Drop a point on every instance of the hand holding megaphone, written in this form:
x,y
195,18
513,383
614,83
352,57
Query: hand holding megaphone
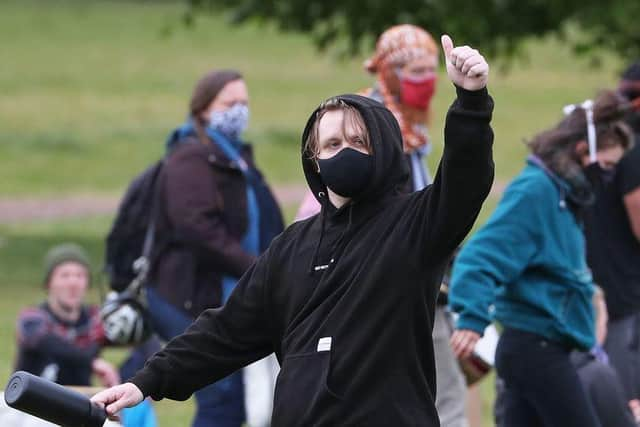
x,y
52,402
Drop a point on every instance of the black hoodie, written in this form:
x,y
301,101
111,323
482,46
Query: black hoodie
x,y
354,338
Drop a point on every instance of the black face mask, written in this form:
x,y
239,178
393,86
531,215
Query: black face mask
x,y
347,173
598,177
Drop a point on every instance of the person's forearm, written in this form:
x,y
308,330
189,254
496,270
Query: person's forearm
x,y
207,352
465,174
467,126
467,162
218,343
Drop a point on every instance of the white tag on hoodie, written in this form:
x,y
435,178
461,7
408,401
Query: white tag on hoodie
x,y
324,344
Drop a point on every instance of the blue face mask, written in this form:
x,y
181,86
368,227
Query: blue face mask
x,y
230,122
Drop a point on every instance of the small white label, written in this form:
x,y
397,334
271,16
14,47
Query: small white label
x,y
324,344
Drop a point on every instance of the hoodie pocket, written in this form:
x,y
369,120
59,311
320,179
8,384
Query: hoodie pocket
x,y
302,389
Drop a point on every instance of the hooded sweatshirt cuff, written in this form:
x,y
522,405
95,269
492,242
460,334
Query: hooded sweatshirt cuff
x,y
472,324
475,100
147,382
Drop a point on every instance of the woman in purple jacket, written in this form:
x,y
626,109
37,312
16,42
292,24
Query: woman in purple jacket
x,y
214,215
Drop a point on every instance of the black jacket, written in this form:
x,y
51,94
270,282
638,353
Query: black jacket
x,y
200,221
375,302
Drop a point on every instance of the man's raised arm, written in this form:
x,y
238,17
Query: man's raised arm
x,y
450,206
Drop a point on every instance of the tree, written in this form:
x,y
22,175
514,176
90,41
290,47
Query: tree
x,y
498,26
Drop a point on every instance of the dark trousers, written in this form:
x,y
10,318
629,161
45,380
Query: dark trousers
x,y
542,388
623,347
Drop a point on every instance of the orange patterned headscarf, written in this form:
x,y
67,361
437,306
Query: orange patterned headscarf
x,y
396,47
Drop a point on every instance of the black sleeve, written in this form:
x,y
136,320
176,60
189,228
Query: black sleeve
x,y
628,171
448,208
217,344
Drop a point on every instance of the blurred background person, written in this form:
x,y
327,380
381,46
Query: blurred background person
x,y
629,87
405,64
215,215
612,227
61,339
600,381
451,398
526,267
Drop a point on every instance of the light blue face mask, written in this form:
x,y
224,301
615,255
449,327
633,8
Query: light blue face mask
x,y
230,122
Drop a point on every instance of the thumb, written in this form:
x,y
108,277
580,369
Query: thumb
x,y
447,45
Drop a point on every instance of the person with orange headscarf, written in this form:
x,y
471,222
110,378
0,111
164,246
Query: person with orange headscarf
x,y
405,64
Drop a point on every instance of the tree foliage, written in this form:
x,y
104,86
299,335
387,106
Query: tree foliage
x,y
498,26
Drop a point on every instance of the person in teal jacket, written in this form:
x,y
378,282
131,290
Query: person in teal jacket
x,y
526,269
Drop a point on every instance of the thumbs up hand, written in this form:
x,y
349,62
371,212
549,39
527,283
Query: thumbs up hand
x,y
465,66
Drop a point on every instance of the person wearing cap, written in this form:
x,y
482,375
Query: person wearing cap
x,y
612,227
346,298
214,215
526,268
61,338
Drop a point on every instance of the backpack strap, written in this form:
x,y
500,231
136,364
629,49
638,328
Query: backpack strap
x,y
142,265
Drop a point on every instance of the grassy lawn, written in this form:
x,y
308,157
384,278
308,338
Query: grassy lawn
x,y
90,90
93,88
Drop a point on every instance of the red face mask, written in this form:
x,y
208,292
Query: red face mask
x,y
417,93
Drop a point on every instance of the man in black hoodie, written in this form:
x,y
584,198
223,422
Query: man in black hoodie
x,y
346,298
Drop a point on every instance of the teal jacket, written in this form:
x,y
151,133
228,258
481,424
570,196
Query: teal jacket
x,y
526,267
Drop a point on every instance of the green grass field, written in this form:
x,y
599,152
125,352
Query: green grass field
x,y
89,90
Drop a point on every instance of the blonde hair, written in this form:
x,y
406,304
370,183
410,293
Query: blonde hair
x,y
352,118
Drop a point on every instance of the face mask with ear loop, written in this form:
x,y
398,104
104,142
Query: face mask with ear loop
x,y
587,106
597,176
347,173
582,187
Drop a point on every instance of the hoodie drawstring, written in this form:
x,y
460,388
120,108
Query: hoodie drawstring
x,y
323,217
334,249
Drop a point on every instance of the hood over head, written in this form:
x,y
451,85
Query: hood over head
x,y
390,169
